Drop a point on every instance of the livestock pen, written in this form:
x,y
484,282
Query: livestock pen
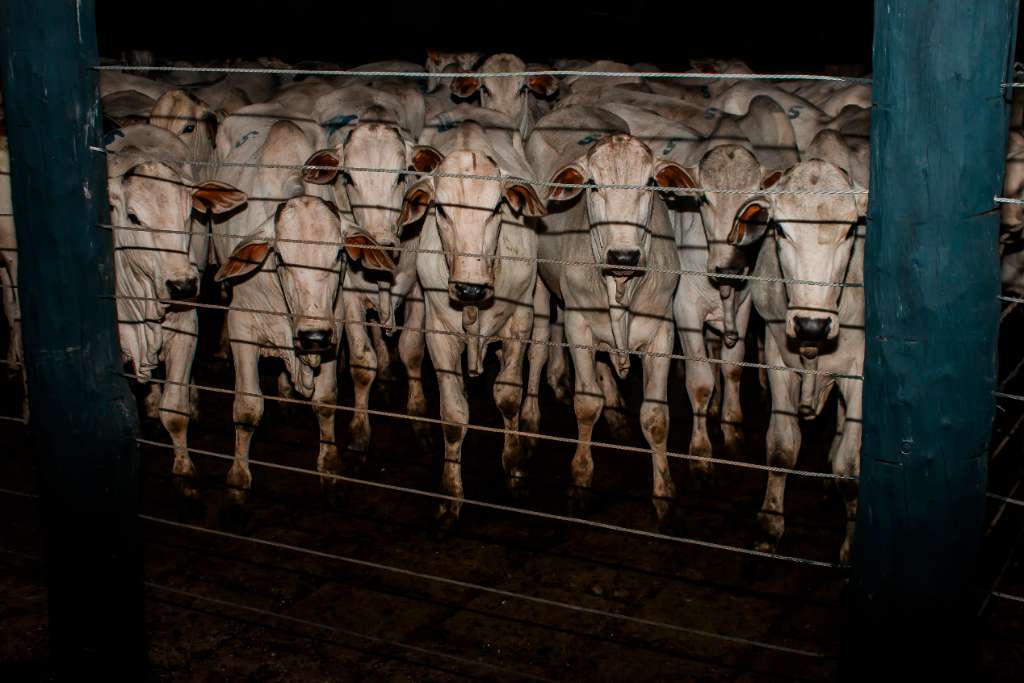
x,y
343,574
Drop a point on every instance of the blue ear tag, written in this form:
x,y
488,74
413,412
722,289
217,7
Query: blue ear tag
x,y
241,141
794,111
670,145
711,112
338,122
445,123
593,137
109,138
706,92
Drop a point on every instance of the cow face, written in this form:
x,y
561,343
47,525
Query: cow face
x,y
159,202
188,118
619,218
727,228
508,95
306,246
449,62
814,239
375,198
469,213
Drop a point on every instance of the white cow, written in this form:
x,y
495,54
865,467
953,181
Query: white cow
x,y
816,331
515,96
483,286
156,267
609,304
449,62
284,258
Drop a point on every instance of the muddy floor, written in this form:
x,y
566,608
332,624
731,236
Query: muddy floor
x,y
243,610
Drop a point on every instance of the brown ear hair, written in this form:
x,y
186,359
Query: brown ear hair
x,y
321,176
417,201
247,257
770,178
573,174
670,174
544,85
361,247
465,86
523,198
750,223
217,197
426,158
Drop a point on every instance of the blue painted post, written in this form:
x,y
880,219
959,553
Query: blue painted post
x,y
938,140
83,415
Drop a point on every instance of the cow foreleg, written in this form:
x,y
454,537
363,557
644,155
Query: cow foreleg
x,y
362,363
446,355
846,457
700,386
783,446
325,397
587,401
538,357
508,392
151,404
411,345
732,411
654,417
383,353
558,369
614,413
179,346
248,411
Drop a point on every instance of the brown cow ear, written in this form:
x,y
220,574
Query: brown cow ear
x,y
217,197
770,178
543,85
523,198
417,201
750,224
426,158
322,158
670,174
573,174
246,258
360,246
465,86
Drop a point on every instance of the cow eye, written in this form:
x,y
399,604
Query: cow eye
x,y
134,219
852,232
522,90
440,211
485,90
399,178
189,127
780,232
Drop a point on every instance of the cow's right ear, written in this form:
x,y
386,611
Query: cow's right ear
x,y
426,158
750,223
465,86
217,197
324,159
573,174
247,257
417,201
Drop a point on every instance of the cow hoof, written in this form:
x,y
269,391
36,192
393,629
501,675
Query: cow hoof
x,y
517,486
671,521
446,523
185,486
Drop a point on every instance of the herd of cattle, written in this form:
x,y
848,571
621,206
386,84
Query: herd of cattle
x,y
583,217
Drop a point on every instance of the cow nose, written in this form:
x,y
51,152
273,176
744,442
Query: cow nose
x,y
183,289
623,257
812,329
470,293
728,270
313,340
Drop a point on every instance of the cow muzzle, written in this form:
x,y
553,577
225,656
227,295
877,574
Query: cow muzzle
x,y
470,292
183,289
314,341
811,332
622,262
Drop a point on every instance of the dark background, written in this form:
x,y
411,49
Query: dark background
x,y
770,36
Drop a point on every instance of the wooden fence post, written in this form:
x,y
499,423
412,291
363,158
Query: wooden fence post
x,y
83,413
938,141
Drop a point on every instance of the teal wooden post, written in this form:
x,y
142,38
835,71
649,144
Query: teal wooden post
x,y
938,140
83,414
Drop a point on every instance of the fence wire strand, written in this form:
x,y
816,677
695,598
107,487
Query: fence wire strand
x,y
579,521
456,583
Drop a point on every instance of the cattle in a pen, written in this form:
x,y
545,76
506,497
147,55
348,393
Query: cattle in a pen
x,y
477,268
521,98
160,252
282,256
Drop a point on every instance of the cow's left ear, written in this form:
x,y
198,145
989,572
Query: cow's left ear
x,y
327,161
750,223
426,158
217,197
523,198
670,174
417,201
543,85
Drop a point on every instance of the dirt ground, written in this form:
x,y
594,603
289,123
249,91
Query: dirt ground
x,y
386,626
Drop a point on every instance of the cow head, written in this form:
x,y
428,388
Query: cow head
x,y
509,95
446,62
159,201
814,236
469,213
304,238
188,118
1012,215
619,218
